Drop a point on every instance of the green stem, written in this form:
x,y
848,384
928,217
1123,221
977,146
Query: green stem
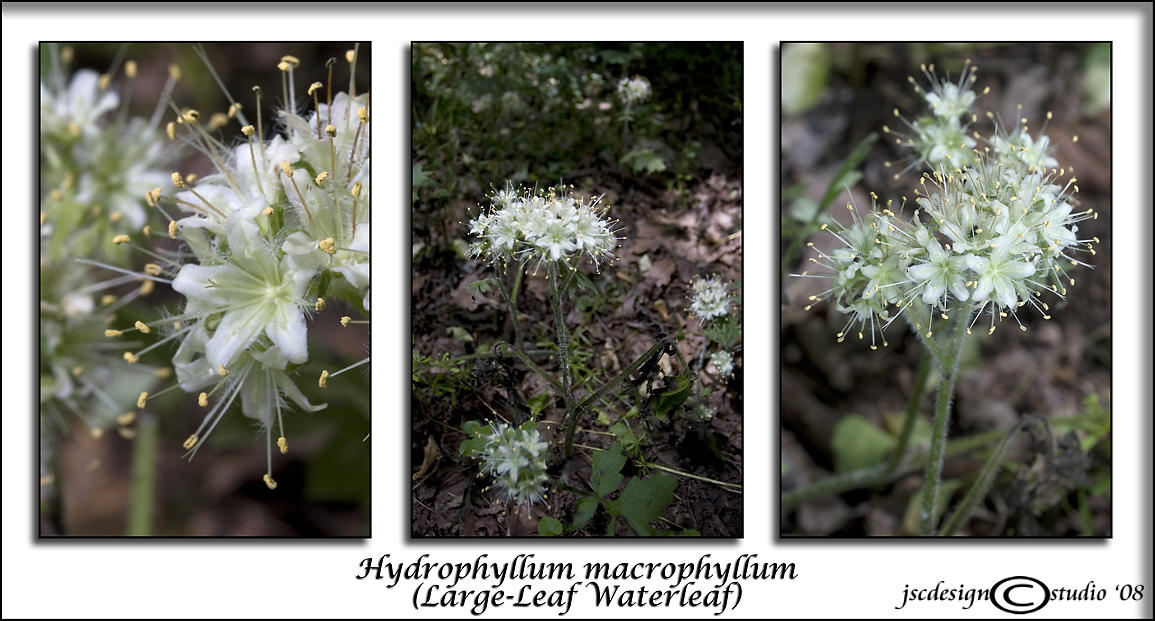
x,y
949,373
556,289
874,476
912,408
659,347
143,500
919,320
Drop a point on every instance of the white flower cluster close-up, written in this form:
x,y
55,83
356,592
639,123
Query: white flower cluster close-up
x,y
992,229
547,226
279,216
516,458
709,298
634,90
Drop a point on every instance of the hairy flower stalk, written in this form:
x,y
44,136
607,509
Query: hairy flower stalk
x,y
992,232
554,228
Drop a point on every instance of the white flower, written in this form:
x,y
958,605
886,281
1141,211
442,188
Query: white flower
x,y
516,457
257,293
634,90
723,363
942,272
1001,275
710,299
78,108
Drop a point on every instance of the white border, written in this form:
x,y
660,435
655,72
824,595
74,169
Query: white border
x,y
836,579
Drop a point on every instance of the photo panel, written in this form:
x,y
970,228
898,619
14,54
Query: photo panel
x,y
945,303
576,309
204,289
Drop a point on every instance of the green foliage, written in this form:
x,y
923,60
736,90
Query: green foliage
x,y
671,397
640,504
437,378
549,527
859,443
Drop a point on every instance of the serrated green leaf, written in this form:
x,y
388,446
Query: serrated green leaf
x,y
586,506
606,475
549,527
642,501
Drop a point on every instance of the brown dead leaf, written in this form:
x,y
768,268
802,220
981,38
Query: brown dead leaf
x,y
432,453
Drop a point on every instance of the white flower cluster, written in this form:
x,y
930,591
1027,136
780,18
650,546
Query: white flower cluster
x,y
634,90
710,298
278,218
992,230
96,162
723,363
516,458
549,226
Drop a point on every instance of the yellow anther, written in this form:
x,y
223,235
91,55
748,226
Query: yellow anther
x,y
147,287
190,115
96,433
270,482
152,269
163,372
77,371
292,60
107,299
324,380
331,130
126,418
146,230
172,229
104,81
363,114
170,130
350,55
144,329
992,330
283,444
284,66
130,69
1075,138
267,211
140,401
174,72
218,120
191,177
322,177
314,87
327,246
248,130
234,109
177,180
112,333
345,321
203,399
121,239
191,441
319,305
356,191
286,168
221,370
74,129
126,433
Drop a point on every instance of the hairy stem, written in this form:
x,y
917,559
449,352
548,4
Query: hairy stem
x,y
949,373
556,289
912,408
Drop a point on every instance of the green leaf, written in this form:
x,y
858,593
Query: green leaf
x,y
537,403
475,440
644,160
859,443
726,332
549,527
586,506
642,501
674,395
607,470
